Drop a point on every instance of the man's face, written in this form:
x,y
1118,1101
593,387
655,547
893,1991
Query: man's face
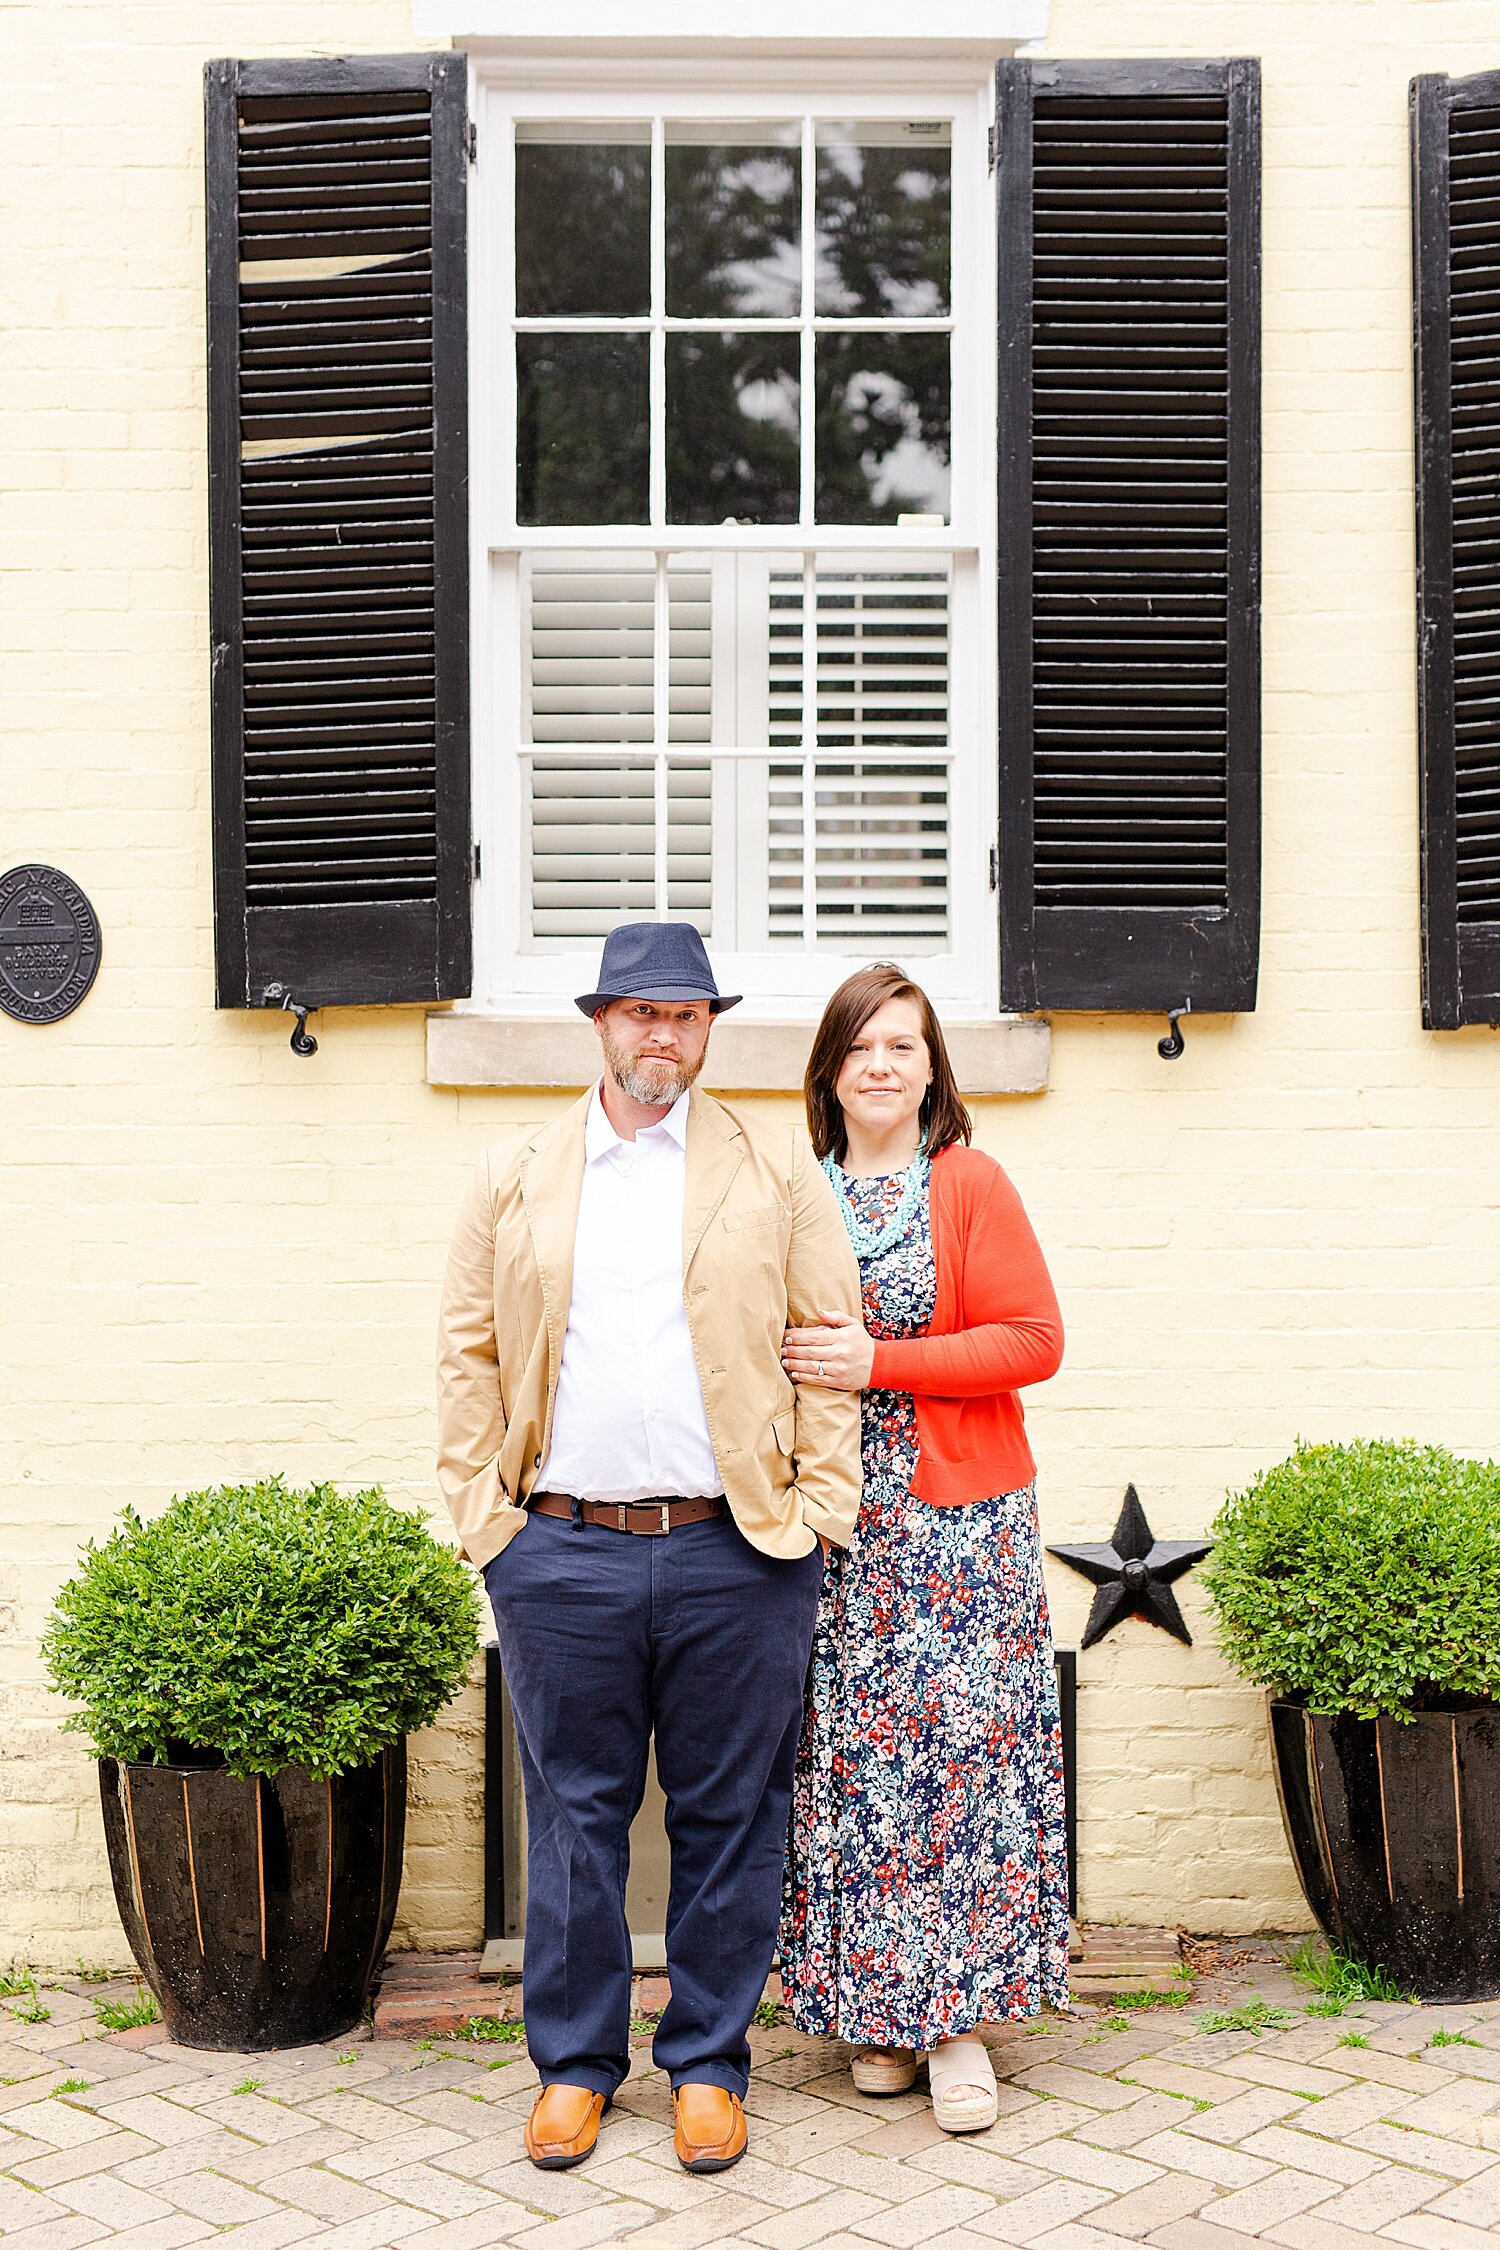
x,y
654,1049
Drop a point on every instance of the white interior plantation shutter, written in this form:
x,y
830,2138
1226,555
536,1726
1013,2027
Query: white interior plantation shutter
x,y
859,664
614,833
338,524
1129,525
1456,198
758,743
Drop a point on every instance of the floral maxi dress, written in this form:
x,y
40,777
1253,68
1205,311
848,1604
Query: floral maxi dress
x,y
926,1883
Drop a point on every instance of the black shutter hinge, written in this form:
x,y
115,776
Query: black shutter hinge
x,y
472,138
994,146
1174,1044
302,1041
478,867
994,867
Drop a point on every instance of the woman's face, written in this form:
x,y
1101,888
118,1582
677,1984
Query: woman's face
x,y
887,1071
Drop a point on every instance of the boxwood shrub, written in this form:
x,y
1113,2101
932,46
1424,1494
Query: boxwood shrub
x,y
264,1626
1364,1578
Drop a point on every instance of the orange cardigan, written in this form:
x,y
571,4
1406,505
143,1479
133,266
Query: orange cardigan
x,y
995,1326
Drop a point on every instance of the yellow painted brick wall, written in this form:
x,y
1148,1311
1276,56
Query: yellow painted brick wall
x,y
218,1260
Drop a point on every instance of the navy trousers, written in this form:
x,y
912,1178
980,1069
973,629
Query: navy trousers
x,y
605,1638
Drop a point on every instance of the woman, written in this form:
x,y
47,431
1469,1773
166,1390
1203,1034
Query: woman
x,y
926,1887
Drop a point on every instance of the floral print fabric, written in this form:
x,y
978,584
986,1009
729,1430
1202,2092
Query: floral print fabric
x,y
926,1883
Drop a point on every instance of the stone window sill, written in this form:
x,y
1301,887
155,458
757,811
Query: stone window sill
x,y
1004,1055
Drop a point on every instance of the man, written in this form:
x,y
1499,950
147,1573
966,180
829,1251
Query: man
x,y
647,1496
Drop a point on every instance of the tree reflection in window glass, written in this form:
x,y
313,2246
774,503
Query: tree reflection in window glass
x,y
884,425
883,221
582,429
733,427
583,239
729,234
733,223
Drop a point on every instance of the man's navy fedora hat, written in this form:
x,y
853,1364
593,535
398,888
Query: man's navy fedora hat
x,y
656,961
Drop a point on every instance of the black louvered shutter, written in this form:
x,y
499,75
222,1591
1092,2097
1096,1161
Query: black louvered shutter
x,y
338,528
1129,533
1456,239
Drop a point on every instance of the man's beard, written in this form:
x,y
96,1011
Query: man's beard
x,y
658,1084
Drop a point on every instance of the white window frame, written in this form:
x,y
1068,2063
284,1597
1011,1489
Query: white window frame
x,y
511,973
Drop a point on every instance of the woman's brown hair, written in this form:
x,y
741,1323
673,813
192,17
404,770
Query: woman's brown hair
x,y
944,1118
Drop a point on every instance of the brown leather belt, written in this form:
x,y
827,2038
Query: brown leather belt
x,y
651,1516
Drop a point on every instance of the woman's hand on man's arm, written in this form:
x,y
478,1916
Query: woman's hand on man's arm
x,y
839,1354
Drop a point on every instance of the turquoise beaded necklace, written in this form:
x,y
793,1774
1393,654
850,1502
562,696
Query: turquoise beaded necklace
x,y
871,1241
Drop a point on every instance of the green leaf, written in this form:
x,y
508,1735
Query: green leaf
x,y
1255,2015
128,2015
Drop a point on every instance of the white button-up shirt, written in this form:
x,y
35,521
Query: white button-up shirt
x,y
629,1421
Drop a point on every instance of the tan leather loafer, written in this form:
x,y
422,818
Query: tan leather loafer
x,y
711,2131
563,2126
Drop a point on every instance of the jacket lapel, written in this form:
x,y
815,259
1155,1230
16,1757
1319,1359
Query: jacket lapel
x,y
551,1183
715,1152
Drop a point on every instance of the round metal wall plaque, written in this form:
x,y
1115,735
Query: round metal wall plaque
x,y
49,944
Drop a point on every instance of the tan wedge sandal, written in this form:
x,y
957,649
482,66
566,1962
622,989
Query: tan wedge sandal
x,y
883,2070
965,2098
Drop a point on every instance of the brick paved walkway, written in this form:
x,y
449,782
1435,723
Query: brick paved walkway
x,y
1158,2132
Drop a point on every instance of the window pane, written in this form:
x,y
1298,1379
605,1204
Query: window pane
x,y
732,428
583,240
582,429
883,427
732,223
883,195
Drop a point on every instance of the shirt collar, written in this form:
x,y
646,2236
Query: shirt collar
x,y
601,1139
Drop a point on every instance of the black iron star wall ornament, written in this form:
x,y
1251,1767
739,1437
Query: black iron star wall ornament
x,y
1133,1574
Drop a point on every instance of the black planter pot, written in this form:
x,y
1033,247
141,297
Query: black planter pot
x,y
1395,1829
257,1910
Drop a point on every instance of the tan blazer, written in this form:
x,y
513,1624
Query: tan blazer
x,y
762,1244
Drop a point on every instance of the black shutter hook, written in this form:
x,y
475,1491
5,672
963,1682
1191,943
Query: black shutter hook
x,y
1174,1044
302,1041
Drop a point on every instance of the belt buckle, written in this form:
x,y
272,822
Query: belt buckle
x,y
624,1509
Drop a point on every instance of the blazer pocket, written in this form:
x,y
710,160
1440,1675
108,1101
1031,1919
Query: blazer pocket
x,y
760,1215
